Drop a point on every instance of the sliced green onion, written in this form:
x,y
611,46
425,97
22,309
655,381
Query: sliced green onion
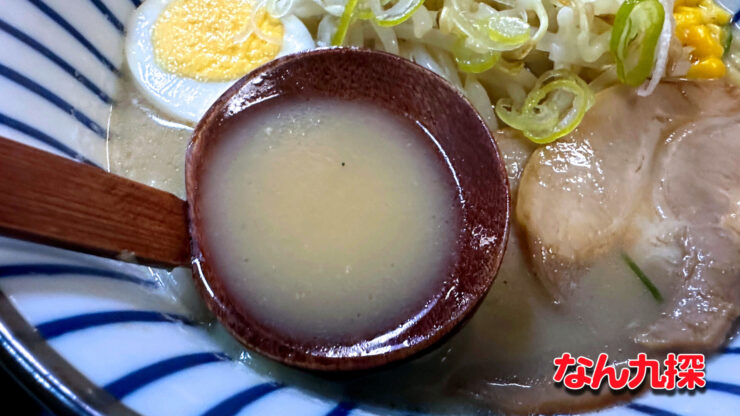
x,y
553,108
508,30
643,278
512,68
485,26
473,62
635,34
726,37
344,22
398,13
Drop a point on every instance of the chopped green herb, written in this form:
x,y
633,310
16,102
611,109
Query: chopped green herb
x,y
726,37
643,278
634,37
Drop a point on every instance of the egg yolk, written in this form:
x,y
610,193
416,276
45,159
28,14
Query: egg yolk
x,y
214,40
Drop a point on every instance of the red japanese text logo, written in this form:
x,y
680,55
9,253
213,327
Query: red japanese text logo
x,y
678,371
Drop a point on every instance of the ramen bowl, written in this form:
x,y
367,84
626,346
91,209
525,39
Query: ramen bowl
x,y
92,336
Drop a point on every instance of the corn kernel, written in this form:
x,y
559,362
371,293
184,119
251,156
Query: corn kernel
x,y
699,25
715,31
714,13
688,16
703,42
682,33
707,68
689,3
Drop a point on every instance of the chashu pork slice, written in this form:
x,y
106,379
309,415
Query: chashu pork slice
x,y
576,196
697,190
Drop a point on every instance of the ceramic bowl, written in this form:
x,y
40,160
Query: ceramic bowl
x,y
92,337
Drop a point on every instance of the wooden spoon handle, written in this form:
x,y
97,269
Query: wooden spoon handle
x,y
60,202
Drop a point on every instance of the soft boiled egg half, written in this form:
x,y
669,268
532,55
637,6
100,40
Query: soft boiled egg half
x,y
184,54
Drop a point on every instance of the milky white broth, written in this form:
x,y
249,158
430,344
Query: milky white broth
x,y
505,349
501,361
328,218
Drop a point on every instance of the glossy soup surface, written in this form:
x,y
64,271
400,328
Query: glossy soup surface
x,y
501,361
328,218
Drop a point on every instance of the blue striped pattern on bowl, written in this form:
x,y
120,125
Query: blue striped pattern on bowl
x,y
96,336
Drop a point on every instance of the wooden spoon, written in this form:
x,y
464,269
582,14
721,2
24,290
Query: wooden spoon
x,y
57,201
60,202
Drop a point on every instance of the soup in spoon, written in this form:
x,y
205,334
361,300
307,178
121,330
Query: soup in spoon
x,y
341,220
329,218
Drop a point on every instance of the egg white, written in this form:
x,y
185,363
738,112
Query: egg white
x,y
186,98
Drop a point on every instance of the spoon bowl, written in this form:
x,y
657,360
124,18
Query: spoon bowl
x,y
468,149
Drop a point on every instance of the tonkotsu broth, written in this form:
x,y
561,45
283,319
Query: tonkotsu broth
x,y
501,361
328,218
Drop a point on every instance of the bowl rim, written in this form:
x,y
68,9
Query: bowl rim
x,y
50,379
